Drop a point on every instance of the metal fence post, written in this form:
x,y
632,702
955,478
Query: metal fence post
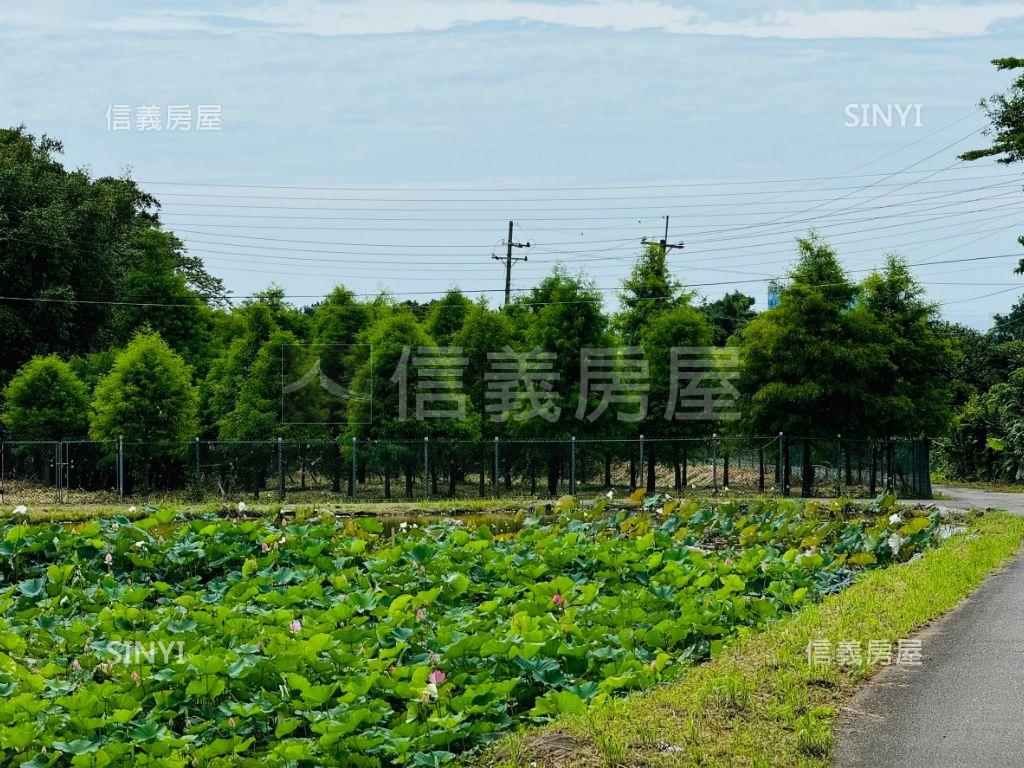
x,y
56,473
426,467
926,468
782,465
497,466
714,461
120,467
839,465
199,470
889,485
280,468
352,473
572,466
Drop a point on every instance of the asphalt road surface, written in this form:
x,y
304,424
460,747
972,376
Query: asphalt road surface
x,y
964,705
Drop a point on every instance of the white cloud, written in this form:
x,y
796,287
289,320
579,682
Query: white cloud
x,y
368,17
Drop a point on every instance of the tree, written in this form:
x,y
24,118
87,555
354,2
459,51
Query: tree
x,y
728,315
915,398
339,323
239,337
808,367
564,317
383,406
147,397
46,401
1006,116
484,331
681,326
68,241
447,316
157,295
649,290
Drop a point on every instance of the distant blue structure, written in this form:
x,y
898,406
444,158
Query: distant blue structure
x,y
773,296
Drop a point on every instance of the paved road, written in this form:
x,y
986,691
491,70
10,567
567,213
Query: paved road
x,y
964,705
973,497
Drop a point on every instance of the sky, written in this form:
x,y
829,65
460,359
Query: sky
x,y
386,144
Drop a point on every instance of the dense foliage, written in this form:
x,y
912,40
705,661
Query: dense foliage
x,y
987,439
332,642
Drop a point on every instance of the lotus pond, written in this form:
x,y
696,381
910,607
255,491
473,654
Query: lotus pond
x,y
330,642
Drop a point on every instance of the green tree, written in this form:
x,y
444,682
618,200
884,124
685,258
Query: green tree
x,y
66,236
46,401
1006,117
157,295
682,326
239,337
728,315
809,366
148,395
148,398
447,315
484,331
383,406
649,290
915,397
564,316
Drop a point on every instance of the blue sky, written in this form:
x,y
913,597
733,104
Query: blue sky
x,y
433,123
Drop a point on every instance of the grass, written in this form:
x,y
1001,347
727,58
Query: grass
x,y
981,485
760,703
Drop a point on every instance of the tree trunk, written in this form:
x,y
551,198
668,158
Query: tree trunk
x,y
554,470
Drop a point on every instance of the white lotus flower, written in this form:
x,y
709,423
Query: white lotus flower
x,y
132,510
610,495
895,519
242,507
19,510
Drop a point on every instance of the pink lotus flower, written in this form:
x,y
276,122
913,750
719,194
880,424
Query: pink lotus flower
x,y
559,602
728,562
135,676
437,677
265,547
76,665
420,615
295,626
108,558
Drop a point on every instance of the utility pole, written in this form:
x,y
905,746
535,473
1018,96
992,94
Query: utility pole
x,y
666,246
508,259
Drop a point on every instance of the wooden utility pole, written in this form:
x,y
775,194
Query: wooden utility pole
x,y
666,246
508,258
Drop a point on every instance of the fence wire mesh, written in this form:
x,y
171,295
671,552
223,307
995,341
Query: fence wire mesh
x,y
82,471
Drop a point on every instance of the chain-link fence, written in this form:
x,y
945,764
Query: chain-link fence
x,y
98,472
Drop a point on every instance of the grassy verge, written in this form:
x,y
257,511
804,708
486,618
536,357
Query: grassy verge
x,y
981,485
760,703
